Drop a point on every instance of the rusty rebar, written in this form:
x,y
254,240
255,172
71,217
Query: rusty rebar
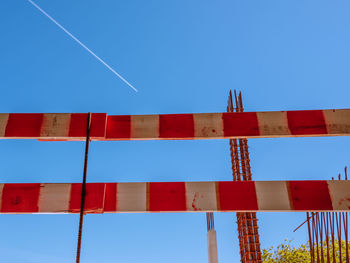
x,y
248,233
83,188
346,224
326,227
327,231
210,221
311,245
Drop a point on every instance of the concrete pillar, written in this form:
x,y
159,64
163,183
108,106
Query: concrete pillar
x,y
212,247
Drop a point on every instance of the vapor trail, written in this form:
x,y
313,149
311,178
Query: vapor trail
x,y
82,44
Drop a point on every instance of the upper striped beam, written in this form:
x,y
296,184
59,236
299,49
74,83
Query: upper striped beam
x,y
264,196
177,126
52,126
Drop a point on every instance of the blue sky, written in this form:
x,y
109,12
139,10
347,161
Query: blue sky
x,y
183,57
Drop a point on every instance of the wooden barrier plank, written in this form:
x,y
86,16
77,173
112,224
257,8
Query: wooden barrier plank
x,y
52,126
72,126
263,196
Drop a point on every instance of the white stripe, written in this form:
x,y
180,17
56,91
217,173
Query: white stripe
x,y
273,123
272,196
144,126
340,194
208,125
131,197
337,121
54,198
55,125
201,196
3,123
1,187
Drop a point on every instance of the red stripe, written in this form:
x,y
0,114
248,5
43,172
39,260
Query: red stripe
x,y
77,126
167,197
118,127
20,198
98,125
240,124
310,195
176,126
237,196
24,125
306,122
111,197
93,201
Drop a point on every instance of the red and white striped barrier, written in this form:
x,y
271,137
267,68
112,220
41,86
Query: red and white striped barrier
x,y
72,126
277,196
51,126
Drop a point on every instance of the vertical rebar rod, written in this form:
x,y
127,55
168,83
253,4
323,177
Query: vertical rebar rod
x,y
248,233
331,223
346,223
210,221
236,171
313,236
315,227
83,188
251,216
326,227
310,240
328,235
247,221
240,237
338,223
320,224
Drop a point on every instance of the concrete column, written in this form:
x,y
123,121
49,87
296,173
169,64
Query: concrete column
x,y
212,247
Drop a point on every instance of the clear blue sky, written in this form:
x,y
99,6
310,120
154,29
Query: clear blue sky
x,y
183,57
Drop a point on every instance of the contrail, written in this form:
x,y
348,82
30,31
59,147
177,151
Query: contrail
x,y
82,44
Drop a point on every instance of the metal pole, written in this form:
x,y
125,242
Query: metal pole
x,y
83,190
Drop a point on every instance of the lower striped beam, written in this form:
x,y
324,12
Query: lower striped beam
x,y
72,126
264,196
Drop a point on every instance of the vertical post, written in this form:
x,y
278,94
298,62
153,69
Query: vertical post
x,y
83,188
211,239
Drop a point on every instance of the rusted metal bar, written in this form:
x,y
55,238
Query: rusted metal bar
x,y
327,232
240,238
320,224
310,239
345,226
331,221
83,190
326,227
315,225
338,224
306,221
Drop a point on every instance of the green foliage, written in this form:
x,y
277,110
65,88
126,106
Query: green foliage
x,y
285,252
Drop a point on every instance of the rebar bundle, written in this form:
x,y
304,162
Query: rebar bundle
x,y
248,233
328,235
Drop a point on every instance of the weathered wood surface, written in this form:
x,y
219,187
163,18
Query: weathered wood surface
x,y
72,126
277,196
